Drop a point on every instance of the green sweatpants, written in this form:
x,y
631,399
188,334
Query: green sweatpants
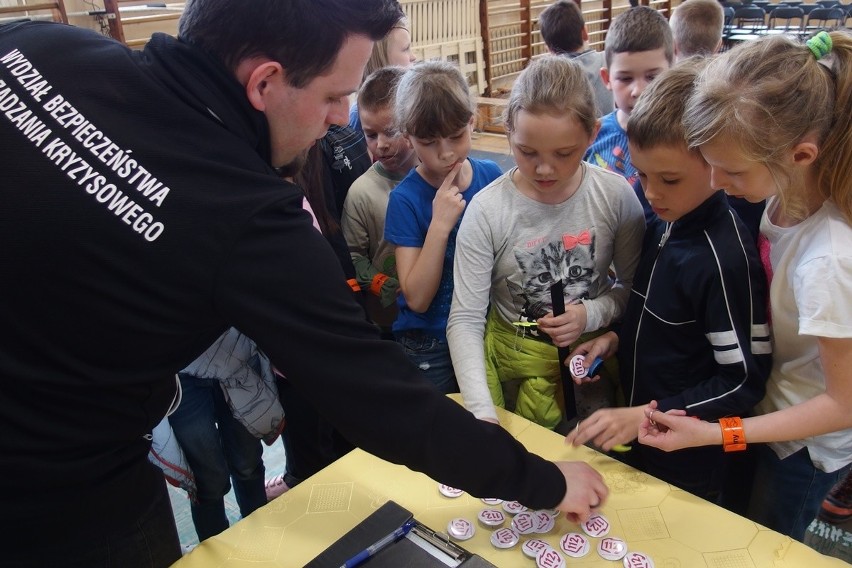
x,y
524,376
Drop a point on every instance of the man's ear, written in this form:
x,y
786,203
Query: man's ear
x,y
261,80
605,78
584,34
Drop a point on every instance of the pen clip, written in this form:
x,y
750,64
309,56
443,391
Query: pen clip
x,y
398,534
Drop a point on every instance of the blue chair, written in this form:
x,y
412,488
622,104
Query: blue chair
x,y
786,20
825,19
728,26
828,3
748,23
806,8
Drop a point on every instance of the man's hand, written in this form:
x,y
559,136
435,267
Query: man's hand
x,y
586,490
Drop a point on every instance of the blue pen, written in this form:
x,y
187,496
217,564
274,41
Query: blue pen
x,y
371,550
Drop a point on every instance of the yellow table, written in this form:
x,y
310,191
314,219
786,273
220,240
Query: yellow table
x,y
676,529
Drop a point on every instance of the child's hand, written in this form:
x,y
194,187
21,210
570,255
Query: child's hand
x,y
448,204
608,427
603,346
566,328
673,430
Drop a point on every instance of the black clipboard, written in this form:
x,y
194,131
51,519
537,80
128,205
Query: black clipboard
x,y
422,548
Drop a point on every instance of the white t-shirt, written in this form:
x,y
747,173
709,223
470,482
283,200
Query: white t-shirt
x,y
811,297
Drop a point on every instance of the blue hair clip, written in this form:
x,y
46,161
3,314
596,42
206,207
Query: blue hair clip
x,y
820,45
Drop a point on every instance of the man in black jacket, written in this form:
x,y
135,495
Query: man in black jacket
x,y
141,216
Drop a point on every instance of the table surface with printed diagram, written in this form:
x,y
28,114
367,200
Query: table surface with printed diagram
x,y
671,527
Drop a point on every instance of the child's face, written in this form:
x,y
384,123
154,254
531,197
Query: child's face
x,y
399,48
439,155
548,150
675,180
737,175
629,74
386,144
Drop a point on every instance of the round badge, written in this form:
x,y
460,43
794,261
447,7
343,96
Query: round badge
x,y
544,522
450,492
637,560
524,523
575,365
491,517
578,371
575,545
612,548
492,502
513,507
460,529
596,525
533,546
504,538
549,558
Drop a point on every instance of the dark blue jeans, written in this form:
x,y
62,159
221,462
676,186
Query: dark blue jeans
x,y
432,357
217,455
788,493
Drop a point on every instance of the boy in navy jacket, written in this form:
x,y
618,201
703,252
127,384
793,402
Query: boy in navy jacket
x,y
695,334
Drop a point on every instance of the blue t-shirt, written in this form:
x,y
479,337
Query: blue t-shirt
x,y
408,217
609,150
355,118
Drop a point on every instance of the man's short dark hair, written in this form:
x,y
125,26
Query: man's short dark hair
x,y
304,36
561,25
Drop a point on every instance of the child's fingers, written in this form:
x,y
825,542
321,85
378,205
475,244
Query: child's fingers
x,y
450,180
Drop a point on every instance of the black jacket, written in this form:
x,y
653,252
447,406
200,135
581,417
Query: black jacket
x,y
695,333
140,218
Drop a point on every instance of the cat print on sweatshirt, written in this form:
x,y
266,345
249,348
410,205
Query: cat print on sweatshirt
x,y
570,260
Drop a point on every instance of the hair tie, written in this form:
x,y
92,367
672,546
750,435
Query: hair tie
x,y
820,45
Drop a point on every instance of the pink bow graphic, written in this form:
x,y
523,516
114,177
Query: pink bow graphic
x,y
571,241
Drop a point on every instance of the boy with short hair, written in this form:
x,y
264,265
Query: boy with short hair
x,y
564,33
364,210
694,335
638,47
697,28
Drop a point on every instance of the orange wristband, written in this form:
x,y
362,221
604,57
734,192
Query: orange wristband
x,y
733,436
354,285
377,283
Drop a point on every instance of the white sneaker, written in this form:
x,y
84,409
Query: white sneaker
x,y
276,487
